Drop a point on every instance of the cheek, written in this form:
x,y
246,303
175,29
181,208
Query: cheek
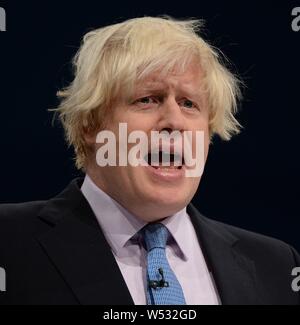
x,y
134,120
201,139
205,128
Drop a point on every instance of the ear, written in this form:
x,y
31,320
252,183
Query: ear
x,y
89,136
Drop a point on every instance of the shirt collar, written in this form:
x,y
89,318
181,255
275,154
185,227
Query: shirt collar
x,y
119,225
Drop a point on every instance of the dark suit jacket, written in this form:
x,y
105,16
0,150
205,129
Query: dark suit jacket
x,y
54,252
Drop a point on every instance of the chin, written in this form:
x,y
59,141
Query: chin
x,y
164,205
174,195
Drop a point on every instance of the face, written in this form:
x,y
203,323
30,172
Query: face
x,y
173,103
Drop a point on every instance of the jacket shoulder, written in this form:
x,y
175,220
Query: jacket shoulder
x,y
18,220
260,247
18,211
234,233
251,237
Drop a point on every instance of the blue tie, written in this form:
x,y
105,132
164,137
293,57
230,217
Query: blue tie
x,y
163,287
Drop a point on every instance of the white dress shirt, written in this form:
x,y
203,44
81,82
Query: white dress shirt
x,y
183,251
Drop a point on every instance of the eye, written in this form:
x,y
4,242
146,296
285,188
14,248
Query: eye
x,y
146,100
188,103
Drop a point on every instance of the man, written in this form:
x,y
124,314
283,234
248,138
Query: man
x,y
127,233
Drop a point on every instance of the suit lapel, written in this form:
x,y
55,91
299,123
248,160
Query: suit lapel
x,y
77,247
233,272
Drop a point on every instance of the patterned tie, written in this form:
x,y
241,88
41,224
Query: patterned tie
x,y
163,287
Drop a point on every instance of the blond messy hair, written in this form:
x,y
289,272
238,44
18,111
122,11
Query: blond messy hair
x,y
112,59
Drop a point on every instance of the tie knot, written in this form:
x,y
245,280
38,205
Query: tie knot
x,y
155,235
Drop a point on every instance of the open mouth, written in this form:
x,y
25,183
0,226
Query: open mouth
x,y
164,160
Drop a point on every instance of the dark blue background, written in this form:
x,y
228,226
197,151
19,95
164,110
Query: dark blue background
x,y
251,181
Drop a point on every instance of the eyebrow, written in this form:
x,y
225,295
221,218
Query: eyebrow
x,y
158,87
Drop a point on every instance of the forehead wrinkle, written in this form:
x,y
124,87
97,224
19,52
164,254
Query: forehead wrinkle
x,y
186,88
168,82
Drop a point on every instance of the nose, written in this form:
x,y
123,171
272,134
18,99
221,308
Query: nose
x,y
171,117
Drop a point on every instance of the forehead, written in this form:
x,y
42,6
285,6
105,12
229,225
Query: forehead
x,y
190,79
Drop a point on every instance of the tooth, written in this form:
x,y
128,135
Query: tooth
x,y
154,159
